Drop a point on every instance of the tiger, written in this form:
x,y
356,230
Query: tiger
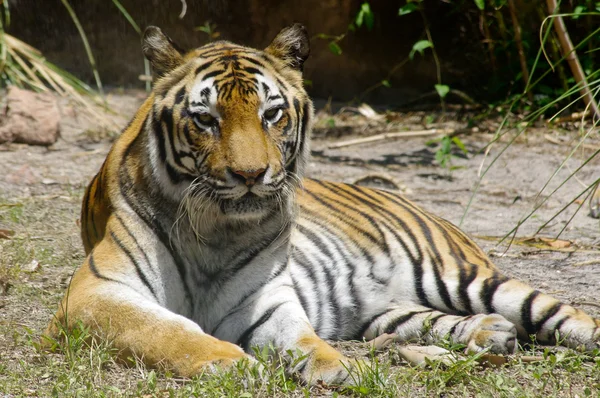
x,y
205,240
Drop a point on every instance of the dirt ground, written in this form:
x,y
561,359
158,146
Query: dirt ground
x,y
41,190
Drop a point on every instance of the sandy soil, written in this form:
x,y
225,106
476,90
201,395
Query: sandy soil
x,y
41,190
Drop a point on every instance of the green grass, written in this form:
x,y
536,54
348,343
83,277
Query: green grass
x,y
84,369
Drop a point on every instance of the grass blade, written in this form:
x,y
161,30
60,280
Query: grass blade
x,y
86,44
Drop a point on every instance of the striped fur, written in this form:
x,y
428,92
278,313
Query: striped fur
x,y
203,240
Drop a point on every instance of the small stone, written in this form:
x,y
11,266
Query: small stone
x,y
33,266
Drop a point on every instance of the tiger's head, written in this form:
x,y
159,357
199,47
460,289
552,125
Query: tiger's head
x,y
229,125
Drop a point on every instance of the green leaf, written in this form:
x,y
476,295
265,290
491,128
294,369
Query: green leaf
x,y
442,90
577,11
407,9
420,47
480,4
335,48
359,18
366,16
459,144
446,145
386,83
369,17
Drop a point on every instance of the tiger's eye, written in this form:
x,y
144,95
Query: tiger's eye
x,y
204,119
273,115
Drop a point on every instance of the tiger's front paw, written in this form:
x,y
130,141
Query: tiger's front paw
x,y
494,332
324,363
338,370
212,356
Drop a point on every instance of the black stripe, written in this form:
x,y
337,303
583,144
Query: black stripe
x,y
203,67
560,323
212,74
365,192
453,328
179,97
490,285
397,322
238,306
91,212
441,286
85,209
549,314
301,132
139,247
251,70
329,279
355,308
247,256
412,208
385,214
345,216
417,262
94,269
169,130
465,278
158,134
434,319
301,260
129,191
526,316
300,294
254,61
246,337
363,329
135,263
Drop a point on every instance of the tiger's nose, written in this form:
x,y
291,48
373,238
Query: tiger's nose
x,y
249,177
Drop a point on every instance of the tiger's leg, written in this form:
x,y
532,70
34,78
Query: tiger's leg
x,y
278,320
533,312
137,325
414,322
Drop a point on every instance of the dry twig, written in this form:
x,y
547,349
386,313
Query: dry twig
x,y
388,136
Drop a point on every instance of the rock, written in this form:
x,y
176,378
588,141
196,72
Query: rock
x,y
33,266
29,118
418,355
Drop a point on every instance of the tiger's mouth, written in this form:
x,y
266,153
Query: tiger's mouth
x,y
248,206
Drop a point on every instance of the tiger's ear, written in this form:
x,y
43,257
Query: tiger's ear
x,y
291,45
161,51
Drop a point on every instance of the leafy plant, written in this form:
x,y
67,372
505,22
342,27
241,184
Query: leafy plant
x,y
445,152
421,45
210,29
